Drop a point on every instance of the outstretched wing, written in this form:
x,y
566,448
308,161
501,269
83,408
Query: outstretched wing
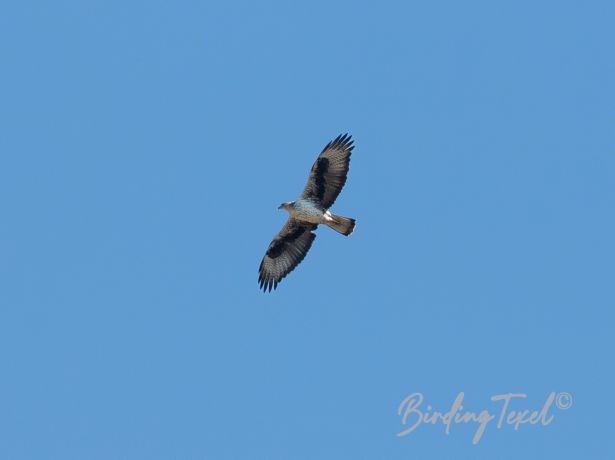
x,y
285,252
328,175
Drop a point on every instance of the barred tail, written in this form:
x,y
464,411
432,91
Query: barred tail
x,y
343,225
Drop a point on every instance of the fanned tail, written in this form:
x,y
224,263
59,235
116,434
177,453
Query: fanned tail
x,y
341,224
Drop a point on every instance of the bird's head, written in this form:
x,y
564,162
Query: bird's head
x,y
286,205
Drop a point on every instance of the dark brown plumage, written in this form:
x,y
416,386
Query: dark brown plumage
x,y
285,252
326,180
328,175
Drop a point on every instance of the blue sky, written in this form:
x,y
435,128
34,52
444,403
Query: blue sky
x,y
145,147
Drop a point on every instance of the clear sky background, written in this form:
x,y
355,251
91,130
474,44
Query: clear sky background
x,y
145,147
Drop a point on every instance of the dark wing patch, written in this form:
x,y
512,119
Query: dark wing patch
x,y
285,252
328,174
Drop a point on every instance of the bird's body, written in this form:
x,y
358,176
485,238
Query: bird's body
x,y
311,212
289,247
306,211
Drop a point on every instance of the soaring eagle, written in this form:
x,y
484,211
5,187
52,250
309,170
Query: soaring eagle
x,y
326,180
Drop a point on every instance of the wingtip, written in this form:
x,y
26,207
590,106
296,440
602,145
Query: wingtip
x,y
344,140
267,285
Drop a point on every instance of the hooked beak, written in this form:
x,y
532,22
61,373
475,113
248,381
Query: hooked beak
x,y
280,207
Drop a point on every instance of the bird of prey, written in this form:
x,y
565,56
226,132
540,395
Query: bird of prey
x,y
289,247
